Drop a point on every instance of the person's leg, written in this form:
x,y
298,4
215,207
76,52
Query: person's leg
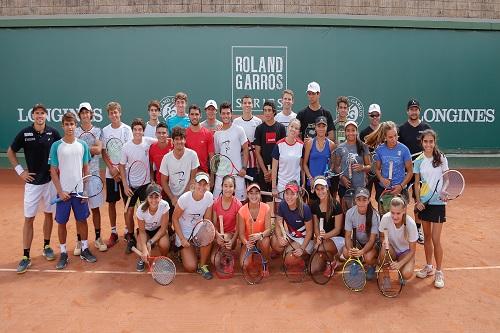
x,y
204,257
189,260
407,269
438,254
28,233
112,197
81,211
275,244
164,245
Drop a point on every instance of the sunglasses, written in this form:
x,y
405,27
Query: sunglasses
x,y
374,115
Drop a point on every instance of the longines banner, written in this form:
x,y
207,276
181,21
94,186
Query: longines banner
x,y
453,73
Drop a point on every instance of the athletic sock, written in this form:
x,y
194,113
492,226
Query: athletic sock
x,y
429,266
26,253
85,245
97,234
126,230
46,242
113,230
78,237
63,248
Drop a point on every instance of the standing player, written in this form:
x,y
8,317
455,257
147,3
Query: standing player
x,y
211,123
178,168
69,158
249,123
308,116
191,207
35,140
158,150
267,135
199,139
375,114
180,119
339,122
114,186
85,114
135,150
409,135
287,114
231,141
153,111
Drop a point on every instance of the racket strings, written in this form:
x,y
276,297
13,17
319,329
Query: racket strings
x,y
321,268
92,186
389,281
354,275
220,164
204,234
453,184
137,174
114,149
163,270
253,268
224,262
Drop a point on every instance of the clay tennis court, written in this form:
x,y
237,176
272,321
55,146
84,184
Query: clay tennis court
x,y
110,296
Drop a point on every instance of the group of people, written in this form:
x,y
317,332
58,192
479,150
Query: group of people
x,y
285,153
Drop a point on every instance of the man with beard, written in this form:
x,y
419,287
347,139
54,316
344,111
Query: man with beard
x,y
199,139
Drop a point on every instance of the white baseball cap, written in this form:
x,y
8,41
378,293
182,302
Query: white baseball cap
x,y
314,87
350,122
374,108
85,105
201,176
320,181
211,102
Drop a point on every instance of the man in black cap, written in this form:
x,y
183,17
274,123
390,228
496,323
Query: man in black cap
x,y
409,134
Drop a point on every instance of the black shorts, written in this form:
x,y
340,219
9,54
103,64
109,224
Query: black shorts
x,y
264,186
433,213
151,233
111,194
139,193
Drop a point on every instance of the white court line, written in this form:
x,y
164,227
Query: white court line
x,y
472,268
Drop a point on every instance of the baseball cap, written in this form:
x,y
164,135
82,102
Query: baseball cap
x,y
313,86
253,185
350,122
374,108
292,187
211,102
320,181
201,176
362,192
413,102
153,188
321,120
84,105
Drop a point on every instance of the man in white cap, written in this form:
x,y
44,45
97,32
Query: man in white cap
x,y
211,123
308,116
94,142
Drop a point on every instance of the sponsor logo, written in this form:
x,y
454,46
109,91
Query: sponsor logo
x,y
459,115
167,107
356,110
55,114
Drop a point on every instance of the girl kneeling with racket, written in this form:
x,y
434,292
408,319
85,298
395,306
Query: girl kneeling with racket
x,y
152,219
402,235
365,220
429,168
194,208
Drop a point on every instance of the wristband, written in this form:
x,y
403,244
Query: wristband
x,y
150,243
19,169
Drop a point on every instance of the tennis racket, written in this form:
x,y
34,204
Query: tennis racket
x,y
389,281
223,166
321,265
353,273
224,257
88,187
348,199
136,177
114,148
88,137
203,233
253,262
450,186
384,201
294,267
373,165
162,269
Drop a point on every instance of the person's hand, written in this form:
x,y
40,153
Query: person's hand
x,y
27,177
395,265
242,172
346,182
357,167
275,192
420,206
174,201
396,190
228,244
64,196
219,239
128,191
282,241
115,173
298,252
185,243
267,176
386,183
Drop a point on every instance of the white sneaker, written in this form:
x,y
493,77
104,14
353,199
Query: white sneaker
x,y
439,280
425,272
420,239
99,244
78,248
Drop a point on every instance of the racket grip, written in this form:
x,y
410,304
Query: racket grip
x,y
116,186
266,193
136,251
250,178
128,203
56,200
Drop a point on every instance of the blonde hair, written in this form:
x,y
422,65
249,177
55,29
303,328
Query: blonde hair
x,y
293,121
399,202
112,106
378,136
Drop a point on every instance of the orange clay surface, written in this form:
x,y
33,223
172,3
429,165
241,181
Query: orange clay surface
x,y
110,297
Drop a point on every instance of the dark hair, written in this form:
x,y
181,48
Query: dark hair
x,y
225,105
299,202
138,121
246,96
180,95
231,177
154,103
271,104
38,106
145,205
68,116
178,132
330,203
436,153
194,107
161,125
342,99
369,217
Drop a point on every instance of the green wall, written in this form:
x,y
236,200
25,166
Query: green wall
x,y
453,70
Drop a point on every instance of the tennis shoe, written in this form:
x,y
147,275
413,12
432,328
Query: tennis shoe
x,y
439,280
140,266
63,261
425,272
24,264
48,253
205,272
420,239
113,239
78,248
370,273
99,244
330,269
88,256
131,242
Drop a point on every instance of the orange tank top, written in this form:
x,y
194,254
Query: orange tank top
x,y
259,225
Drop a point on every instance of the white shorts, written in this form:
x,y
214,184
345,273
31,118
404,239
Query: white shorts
x,y
240,190
39,195
339,242
310,246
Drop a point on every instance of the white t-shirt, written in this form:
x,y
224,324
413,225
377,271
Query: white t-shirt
x,y
153,222
288,157
397,236
94,161
150,131
249,127
429,177
285,120
178,171
229,142
124,133
137,173
353,219
193,210
69,158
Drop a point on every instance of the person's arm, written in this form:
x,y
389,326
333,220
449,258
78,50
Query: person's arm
x,y
244,161
163,228
167,190
178,211
409,174
416,190
54,174
260,160
25,175
274,177
143,238
305,162
378,172
369,245
241,229
113,170
309,233
126,185
208,213
96,148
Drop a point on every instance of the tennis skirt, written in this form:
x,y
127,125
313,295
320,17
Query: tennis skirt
x,y
433,213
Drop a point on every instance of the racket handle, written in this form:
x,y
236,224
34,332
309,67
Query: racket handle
x,y
250,178
321,224
221,225
266,193
116,186
136,251
56,200
391,163
128,203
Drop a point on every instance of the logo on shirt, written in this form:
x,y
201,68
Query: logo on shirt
x,y
227,145
356,110
167,107
28,134
180,176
